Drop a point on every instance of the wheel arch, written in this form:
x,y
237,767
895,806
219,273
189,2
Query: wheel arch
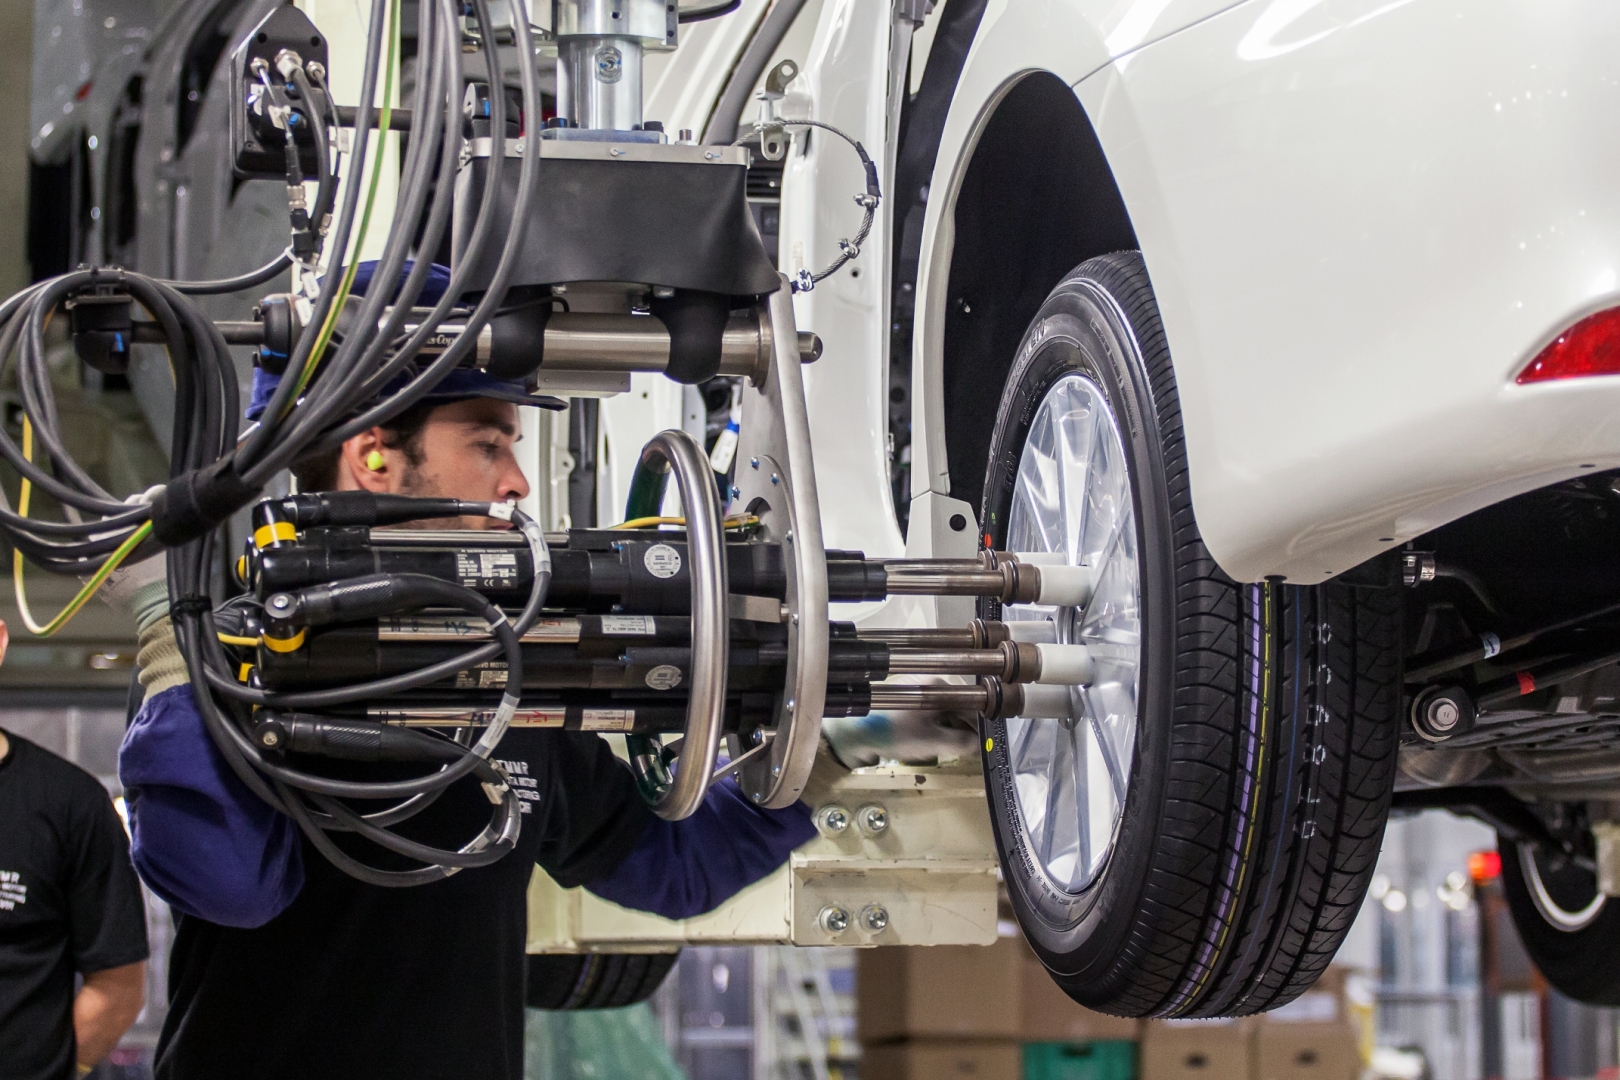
x,y
1029,197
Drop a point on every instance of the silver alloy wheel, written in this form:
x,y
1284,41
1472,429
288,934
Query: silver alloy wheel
x,y
1072,497
1557,916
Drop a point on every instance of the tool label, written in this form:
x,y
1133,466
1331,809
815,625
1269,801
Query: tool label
x,y
664,677
487,569
482,677
662,561
607,719
627,624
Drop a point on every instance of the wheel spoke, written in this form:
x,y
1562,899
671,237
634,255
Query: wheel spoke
x,y
1072,495
1080,425
1105,744
1060,797
1081,773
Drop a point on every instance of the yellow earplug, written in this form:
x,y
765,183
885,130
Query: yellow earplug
x,y
374,461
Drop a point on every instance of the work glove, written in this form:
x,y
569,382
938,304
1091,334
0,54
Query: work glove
x,y
142,589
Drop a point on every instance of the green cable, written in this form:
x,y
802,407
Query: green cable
x,y
349,271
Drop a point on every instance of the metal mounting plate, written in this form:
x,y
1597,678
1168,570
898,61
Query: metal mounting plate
x,y
775,478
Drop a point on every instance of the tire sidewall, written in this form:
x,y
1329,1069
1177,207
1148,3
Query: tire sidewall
x,y
1582,964
1082,330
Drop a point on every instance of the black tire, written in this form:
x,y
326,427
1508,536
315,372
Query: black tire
x,y
1267,718
562,982
1582,963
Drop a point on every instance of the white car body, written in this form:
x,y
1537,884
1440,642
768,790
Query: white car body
x,y
1361,217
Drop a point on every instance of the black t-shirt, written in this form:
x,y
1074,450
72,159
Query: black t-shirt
x,y
69,902
358,981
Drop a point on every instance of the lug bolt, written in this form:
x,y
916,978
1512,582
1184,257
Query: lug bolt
x,y
875,917
832,820
872,820
833,919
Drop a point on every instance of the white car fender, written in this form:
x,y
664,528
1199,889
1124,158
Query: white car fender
x,y
1362,219
1069,38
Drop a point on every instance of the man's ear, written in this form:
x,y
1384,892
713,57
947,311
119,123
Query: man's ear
x,y
367,464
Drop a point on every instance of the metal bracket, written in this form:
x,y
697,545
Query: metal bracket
x,y
775,479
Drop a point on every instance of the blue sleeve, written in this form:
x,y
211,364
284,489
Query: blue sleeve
x,y
684,868
199,838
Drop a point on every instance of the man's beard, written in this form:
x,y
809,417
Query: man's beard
x,y
415,483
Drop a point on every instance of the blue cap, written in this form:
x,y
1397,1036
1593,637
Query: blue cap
x,y
459,385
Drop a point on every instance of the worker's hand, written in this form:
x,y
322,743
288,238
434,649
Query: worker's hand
x,y
140,588
143,590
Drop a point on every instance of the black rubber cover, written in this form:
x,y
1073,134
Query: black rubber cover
x,y
190,506
686,226
696,322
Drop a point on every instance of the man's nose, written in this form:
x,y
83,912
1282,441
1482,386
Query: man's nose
x,y
513,484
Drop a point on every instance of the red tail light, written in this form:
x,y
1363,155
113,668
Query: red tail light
x,y
1484,866
1590,347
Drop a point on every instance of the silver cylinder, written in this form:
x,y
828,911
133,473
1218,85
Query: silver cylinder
x,y
946,662
904,696
599,82
948,583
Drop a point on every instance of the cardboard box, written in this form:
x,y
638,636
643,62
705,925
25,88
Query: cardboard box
x,y
939,992
1313,1037
1196,1049
935,1059
1307,1051
1047,1014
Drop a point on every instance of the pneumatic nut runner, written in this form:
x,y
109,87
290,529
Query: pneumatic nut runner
x,y
390,644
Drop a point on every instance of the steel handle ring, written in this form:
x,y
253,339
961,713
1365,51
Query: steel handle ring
x,y
711,625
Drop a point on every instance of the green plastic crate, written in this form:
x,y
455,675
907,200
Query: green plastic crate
x,y
1110,1059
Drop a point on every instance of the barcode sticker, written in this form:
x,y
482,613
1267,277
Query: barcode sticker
x,y
627,624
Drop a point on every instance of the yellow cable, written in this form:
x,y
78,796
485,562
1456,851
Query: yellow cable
x,y
237,639
737,521
90,587
349,271
648,522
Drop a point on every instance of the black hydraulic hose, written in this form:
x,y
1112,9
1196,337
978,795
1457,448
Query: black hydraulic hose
x,y
495,293
359,348
432,233
351,366
326,192
323,151
397,789
221,286
221,679
261,441
459,860
353,867
508,642
317,417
